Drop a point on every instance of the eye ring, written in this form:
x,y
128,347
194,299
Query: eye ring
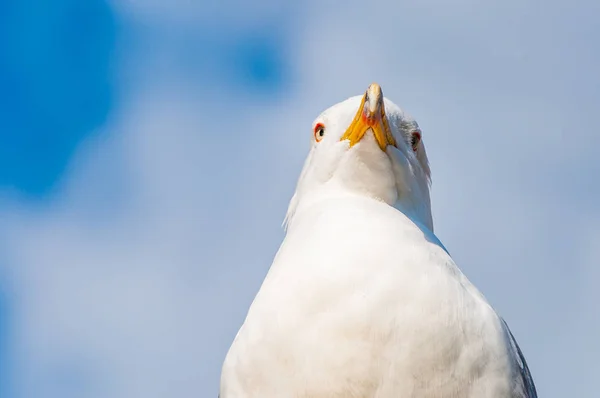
x,y
415,138
319,132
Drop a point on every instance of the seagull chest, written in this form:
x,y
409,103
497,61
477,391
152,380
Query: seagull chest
x,y
359,303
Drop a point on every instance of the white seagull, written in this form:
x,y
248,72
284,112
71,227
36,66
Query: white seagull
x,y
362,300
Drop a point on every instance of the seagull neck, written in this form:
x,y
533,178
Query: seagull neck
x,y
416,205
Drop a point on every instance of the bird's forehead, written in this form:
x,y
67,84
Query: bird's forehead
x,y
342,111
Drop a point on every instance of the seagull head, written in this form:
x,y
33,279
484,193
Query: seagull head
x,y
366,146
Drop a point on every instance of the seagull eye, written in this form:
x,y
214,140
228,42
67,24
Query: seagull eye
x,y
319,132
415,138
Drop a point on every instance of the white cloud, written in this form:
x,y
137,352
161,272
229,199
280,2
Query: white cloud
x,y
133,282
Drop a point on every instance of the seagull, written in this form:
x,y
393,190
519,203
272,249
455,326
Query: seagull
x,y
362,300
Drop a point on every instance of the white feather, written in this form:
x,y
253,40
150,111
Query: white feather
x,y
362,300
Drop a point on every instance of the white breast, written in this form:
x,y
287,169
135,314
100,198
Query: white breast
x,y
358,303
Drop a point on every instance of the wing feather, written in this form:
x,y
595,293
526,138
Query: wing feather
x,y
525,381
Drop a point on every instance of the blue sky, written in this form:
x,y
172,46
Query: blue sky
x,y
58,78
148,151
55,76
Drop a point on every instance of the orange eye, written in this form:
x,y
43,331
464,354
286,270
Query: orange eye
x,y
319,132
414,140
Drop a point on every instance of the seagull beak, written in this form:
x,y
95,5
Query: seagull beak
x,y
370,115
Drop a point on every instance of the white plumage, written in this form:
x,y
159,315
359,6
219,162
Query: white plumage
x,y
362,300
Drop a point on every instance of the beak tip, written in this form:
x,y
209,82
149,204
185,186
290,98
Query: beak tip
x,y
374,86
373,99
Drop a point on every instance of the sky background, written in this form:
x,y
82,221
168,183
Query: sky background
x,y
148,151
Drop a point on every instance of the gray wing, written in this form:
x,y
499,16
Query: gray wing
x,y
525,382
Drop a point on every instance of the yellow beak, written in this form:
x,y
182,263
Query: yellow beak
x,y
370,115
